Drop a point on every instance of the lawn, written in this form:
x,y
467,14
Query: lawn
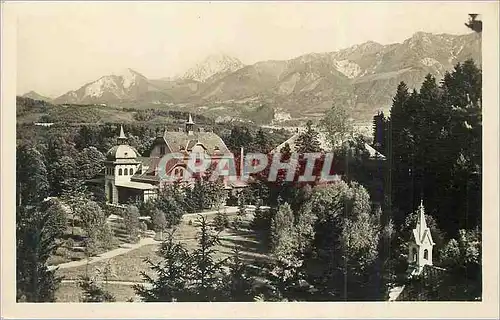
x,y
69,292
72,249
128,267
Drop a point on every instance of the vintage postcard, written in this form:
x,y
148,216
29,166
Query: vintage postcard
x,y
249,159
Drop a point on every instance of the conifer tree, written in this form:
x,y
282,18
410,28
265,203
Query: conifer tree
x,y
262,142
238,283
97,231
206,271
131,222
159,222
380,132
221,220
93,292
32,179
75,195
171,280
281,226
308,141
286,151
261,219
38,235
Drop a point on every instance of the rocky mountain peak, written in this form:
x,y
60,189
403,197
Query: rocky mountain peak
x,y
212,65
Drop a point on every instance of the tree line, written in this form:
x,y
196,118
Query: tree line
x,y
433,141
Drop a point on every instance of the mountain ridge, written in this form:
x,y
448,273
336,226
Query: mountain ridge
x,y
363,76
36,96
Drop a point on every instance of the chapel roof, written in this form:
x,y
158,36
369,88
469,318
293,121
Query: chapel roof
x,y
122,152
422,231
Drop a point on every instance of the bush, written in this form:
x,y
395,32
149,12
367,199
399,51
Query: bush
x,y
221,220
92,292
132,223
158,220
70,243
237,222
64,252
106,239
261,219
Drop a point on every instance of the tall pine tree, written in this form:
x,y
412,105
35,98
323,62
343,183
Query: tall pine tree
x,y
308,141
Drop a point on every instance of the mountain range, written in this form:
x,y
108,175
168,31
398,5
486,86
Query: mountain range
x,y
364,77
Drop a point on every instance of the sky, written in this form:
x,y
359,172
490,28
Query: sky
x,y
64,45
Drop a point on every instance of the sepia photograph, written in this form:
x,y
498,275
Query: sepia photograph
x,y
250,152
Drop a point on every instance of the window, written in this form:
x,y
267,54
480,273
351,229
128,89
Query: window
x,y
125,172
426,254
131,171
414,254
120,172
162,150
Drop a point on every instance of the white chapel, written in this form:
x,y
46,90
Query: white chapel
x,y
421,244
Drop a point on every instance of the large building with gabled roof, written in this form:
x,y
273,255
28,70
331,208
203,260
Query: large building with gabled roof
x,y
129,176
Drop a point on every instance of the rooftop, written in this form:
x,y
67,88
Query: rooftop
x,y
136,185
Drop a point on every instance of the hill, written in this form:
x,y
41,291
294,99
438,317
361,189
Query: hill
x,y
36,96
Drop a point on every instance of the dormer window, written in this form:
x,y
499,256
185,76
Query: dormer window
x,y
162,150
426,254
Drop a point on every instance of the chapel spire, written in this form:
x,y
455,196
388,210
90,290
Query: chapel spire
x,y
421,223
421,243
122,138
189,125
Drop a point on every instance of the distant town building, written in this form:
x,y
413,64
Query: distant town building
x,y
324,144
128,176
373,166
43,124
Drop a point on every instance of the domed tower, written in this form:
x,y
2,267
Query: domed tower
x,y
121,164
421,244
